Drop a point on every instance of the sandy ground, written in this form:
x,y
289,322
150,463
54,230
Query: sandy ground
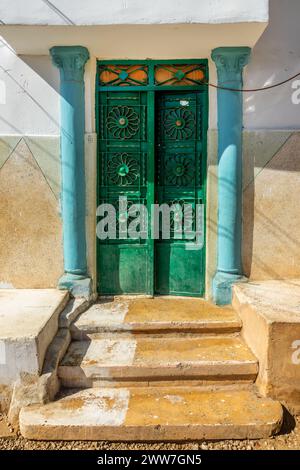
x,y
288,439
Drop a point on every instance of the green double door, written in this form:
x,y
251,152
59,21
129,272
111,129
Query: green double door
x,y
152,150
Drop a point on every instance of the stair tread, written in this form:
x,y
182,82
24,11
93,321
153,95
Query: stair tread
x,y
158,356
135,350
153,413
158,313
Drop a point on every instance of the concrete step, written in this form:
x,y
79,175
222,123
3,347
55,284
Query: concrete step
x,y
160,314
153,414
160,357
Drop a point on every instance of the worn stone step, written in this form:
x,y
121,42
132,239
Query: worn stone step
x,y
156,315
159,357
153,414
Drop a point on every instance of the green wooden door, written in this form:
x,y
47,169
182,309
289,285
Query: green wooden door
x,y
180,177
125,265
151,125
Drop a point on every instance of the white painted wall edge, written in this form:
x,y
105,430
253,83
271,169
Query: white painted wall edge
x,y
109,12
134,41
31,83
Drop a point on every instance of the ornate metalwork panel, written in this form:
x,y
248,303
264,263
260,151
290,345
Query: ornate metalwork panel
x,y
123,75
150,75
179,148
179,74
123,145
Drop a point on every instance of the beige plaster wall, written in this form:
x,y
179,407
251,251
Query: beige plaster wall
x,y
271,215
91,205
211,209
30,221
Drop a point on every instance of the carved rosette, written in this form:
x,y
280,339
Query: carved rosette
x,y
123,122
179,124
123,170
179,170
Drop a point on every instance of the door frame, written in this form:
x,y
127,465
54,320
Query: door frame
x,y
152,89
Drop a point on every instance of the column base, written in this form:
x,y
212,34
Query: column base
x,y
222,287
77,285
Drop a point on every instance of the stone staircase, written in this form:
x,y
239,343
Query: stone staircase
x,y
152,370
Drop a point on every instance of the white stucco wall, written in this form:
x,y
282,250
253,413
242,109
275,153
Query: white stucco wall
x,y
29,101
103,42
93,12
275,58
29,85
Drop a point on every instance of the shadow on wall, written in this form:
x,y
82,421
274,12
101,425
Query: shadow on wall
x,y
275,57
30,106
30,232
32,99
271,220
271,216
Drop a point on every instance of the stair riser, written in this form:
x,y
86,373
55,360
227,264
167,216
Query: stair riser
x,y
72,376
167,329
84,382
150,433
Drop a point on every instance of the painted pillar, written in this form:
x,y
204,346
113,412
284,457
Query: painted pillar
x,y
71,62
230,62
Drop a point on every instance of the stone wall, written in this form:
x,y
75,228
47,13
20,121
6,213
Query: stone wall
x,y
30,222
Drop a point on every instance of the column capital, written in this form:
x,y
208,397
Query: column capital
x,y
230,62
70,60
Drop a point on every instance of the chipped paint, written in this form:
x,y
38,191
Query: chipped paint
x,y
174,398
145,357
6,285
135,414
155,314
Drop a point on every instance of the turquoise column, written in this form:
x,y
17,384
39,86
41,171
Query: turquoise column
x,y
71,61
230,62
